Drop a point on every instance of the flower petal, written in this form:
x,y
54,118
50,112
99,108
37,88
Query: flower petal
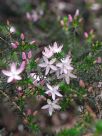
x,y
67,79
42,65
53,96
72,75
13,67
53,67
49,87
17,77
45,107
52,61
10,79
59,65
47,70
58,94
56,106
50,111
7,73
22,67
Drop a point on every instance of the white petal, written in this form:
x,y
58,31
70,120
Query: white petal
x,y
53,96
67,80
50,111
17,77
55,45
47,70
22,67
53,67
47,92
45,107
49,87
56,106
13,67
72,75
59,65
70,68
10,79
58,94
7,73
52,61
42,65
65,71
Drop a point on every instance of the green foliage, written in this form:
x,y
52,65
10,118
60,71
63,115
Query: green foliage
x,y
70,132
99,127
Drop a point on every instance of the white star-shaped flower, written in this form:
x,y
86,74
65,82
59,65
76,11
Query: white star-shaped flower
x,y
51,106
53,91
65,65
55,48
67,76
13,73
47,52
48,65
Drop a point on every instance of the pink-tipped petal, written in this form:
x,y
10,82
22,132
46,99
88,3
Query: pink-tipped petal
x,y
22,67
7,73
10,79
13,67
17,77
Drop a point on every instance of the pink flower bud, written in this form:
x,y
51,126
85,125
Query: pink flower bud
x,y
29,55
22,36
24,56
14,45
70,19
86,35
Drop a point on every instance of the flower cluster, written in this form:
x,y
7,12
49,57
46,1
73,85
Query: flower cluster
x,y
62,69
34,15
